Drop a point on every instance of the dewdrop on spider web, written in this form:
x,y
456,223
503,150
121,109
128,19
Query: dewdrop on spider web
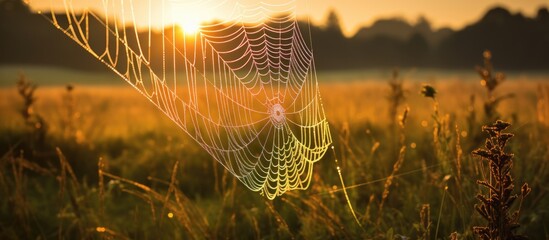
x,y
244,88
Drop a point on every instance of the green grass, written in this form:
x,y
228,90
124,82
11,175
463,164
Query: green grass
x,y
137,176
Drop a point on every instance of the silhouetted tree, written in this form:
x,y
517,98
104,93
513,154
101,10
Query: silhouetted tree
x,y
543,14
332,22
520,42
423,25
331,48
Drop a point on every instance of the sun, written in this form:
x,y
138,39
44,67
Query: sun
x,y
190,23
190,15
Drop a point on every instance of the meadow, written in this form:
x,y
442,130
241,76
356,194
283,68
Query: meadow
x,y
100,162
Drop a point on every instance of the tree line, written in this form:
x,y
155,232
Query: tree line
x,y
517,42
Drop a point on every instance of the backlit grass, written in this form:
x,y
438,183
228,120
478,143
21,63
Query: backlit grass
x,y
123,170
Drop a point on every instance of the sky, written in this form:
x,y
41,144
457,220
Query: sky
x,y
352,13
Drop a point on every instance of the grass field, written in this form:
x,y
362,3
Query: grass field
x,y
112,166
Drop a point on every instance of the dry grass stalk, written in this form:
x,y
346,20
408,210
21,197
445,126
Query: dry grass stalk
x,y
389,182
425,221
65,169
543,105
34,121
181,207
430,92
495,206
459,154
26,90
396,96
366,217
346,141
171,189
71,116
491,80
73,192
255,224
440,209
314,209
442,132
100,170
282,225
396,166
18,199
14,182
471,116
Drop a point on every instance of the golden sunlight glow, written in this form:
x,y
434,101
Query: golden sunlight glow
x,y
189,24
353,14
190,16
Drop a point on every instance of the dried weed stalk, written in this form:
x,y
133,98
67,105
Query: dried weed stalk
x,y
396,166
34,121
491,80
424,227
495,206
396,97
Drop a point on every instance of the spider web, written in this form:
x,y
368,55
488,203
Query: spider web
x,y
244,88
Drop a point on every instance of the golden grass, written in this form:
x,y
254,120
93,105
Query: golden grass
x,y
186,194
122,110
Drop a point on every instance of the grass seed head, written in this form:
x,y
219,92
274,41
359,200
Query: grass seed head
x,y
428,91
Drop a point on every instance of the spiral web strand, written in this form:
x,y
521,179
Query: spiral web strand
x,y
245,88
